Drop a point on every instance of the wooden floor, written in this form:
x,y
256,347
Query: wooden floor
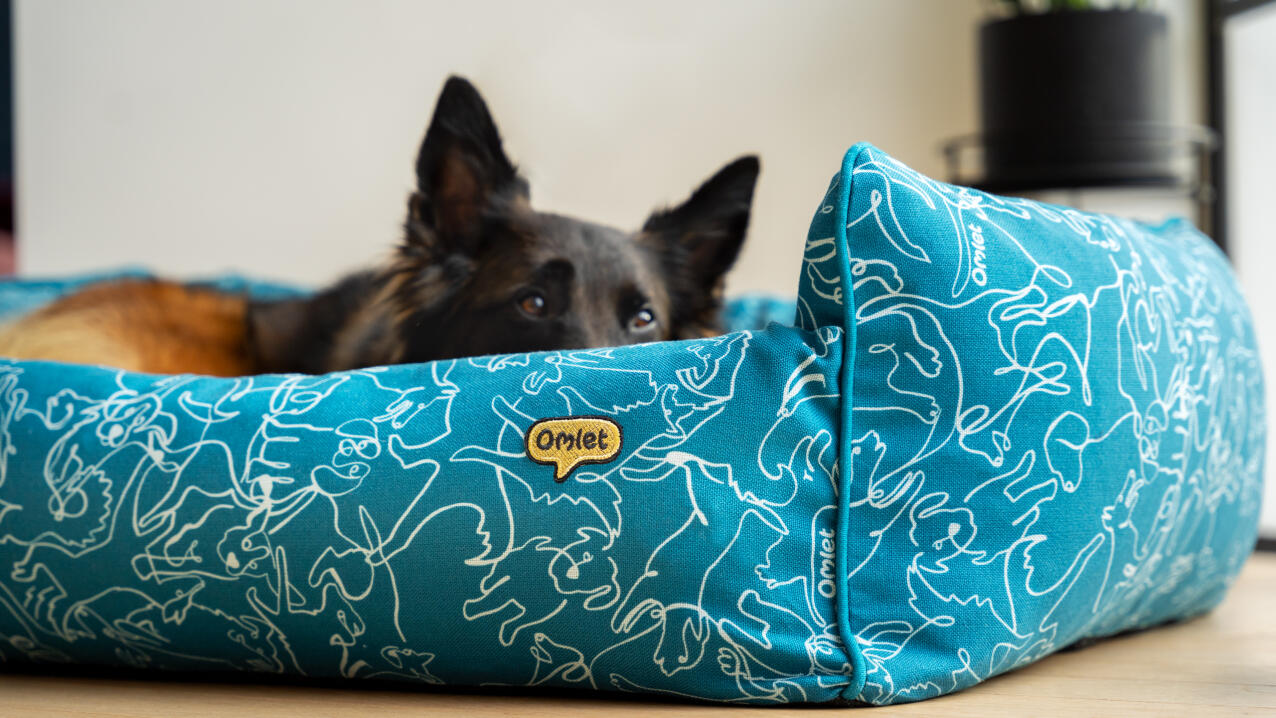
x,y
1223,664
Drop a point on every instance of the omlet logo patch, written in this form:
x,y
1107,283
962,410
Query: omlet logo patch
x,y
568,442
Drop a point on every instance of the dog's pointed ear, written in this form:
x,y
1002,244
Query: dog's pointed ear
x,y
701,238
461,171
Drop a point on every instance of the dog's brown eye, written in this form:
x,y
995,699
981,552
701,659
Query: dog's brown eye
x,y
532,304
642,320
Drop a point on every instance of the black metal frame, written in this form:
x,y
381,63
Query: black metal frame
x,y
1218,12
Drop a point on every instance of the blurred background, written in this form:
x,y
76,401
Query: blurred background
x,y
276,137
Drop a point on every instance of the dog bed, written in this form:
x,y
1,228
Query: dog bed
x,y
996,428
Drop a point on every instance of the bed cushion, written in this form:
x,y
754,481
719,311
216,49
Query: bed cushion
x,y
1054,431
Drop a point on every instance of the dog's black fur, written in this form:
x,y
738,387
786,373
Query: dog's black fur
x,y
481,272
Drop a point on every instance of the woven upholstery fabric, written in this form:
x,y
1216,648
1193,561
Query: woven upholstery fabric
x,y
1054,428
998,427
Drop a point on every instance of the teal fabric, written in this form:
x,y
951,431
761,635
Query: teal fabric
x,y
1055,428
998,427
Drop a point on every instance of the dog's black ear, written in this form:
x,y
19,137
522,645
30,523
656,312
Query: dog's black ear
x,y
462,171
701,238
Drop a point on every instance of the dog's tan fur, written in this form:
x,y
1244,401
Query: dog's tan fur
x,y
155,327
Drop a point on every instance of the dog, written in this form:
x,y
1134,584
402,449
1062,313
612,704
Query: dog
x,y
478,272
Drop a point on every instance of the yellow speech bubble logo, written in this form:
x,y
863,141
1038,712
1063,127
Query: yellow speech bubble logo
x,y
571,441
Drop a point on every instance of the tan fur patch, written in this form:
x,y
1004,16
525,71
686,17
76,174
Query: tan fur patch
x,y
147,326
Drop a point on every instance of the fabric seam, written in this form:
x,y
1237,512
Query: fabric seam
x,y
853,689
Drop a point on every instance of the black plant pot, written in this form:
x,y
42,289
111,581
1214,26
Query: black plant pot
x,y
1073,99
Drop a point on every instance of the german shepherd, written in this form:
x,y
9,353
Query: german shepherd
x,y
478,272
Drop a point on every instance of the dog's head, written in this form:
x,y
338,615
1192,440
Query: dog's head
x,y
481,272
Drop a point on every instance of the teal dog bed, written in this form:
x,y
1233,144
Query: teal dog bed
x,y
996,428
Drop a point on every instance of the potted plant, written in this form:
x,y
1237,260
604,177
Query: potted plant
x,y
1074,93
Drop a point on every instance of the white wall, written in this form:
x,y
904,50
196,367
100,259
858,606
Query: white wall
x,y
277,137
1251,187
